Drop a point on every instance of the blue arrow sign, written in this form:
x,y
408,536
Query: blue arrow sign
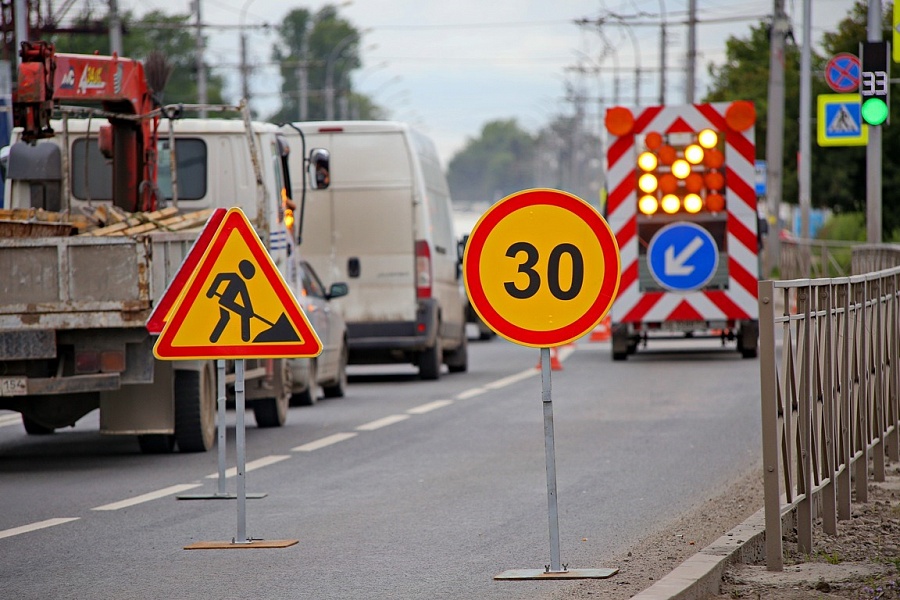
x,y
682,257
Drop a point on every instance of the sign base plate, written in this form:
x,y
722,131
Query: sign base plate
x,y
236,545
217,496
567,574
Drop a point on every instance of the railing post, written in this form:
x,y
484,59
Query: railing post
x,y
830,404
845,439
805,462
768,376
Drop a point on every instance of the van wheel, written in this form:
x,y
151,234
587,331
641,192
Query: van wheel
x,y
430,361
309,395
195,409
272,412
458,359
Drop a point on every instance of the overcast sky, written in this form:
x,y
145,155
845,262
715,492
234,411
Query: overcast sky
x,y
451,67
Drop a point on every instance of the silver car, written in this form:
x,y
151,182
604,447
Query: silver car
x,y
326,374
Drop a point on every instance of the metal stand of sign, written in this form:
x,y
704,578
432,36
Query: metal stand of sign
x,y
555,570
221,493
241,540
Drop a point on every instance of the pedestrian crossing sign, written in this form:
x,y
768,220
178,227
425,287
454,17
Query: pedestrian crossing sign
x,y
236,304
839,121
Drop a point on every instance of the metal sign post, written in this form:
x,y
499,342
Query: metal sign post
x,y
240,443
222,426
550,452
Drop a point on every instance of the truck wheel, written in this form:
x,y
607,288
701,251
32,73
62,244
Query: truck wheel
x,y
272,412
430,361
310,395
156,443
339,388
621,344
34,428
195,409
458,359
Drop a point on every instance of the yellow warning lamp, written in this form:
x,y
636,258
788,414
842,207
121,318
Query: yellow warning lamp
x,y
693,183
647,161
693,154
681,168
715,202
648,204
668,183
667,155
714,180
289,218
670,203
648,183
708,138
693,203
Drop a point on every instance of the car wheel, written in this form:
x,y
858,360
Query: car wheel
x,y
430,361
195,409
339,388
272,412
310,395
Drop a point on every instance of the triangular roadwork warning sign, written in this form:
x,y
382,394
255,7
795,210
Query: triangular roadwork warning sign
x,y
236,304
163,308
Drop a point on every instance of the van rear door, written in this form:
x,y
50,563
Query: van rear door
x,y
360,230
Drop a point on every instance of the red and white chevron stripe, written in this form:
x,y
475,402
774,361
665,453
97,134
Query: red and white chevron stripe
x,y
739,301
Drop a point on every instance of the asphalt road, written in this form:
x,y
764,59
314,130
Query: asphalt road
x,y
403,489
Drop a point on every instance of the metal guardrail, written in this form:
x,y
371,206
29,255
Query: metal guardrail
x,y
832,402
811,259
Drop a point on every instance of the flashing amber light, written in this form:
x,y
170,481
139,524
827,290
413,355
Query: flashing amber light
x,y
648,183
289,219
653,140
681,168
693,154
668,183
670,203
647,161
619,120
693,203
708,138
715,202
693,183
714,180
741,115
713,159
667,155
648,204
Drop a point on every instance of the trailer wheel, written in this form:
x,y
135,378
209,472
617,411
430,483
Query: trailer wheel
x,y
748,339
621,343
156,443
272,412
195,409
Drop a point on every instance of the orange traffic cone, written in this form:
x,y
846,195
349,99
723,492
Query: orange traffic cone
x,y
602,332
555,363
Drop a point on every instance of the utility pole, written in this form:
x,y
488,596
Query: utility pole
x,y
775,132
873,149
662,52
805,167
303,74
201,66
115,28
691,51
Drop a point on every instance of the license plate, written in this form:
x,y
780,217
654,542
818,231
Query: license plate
x,y
13,386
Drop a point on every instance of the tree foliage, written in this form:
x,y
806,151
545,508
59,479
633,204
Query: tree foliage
x,y
838,173
495,165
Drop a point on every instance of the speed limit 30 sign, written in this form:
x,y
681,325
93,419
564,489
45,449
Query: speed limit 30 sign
x,y
542,268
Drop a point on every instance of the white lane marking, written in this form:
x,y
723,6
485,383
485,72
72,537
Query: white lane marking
x,y
471,393
323,442
379,423
496,385
35,526
259,463
424,408
7,420
565,352
169,491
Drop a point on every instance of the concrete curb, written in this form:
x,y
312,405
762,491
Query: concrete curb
x,y
700,576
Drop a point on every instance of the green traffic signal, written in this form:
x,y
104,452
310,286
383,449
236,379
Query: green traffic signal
x,y
874,111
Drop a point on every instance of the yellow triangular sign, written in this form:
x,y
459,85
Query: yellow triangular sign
x,y
236,304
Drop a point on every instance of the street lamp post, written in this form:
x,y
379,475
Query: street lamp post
x,y
329,73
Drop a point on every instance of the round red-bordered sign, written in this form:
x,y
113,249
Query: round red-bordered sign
x,y
542,268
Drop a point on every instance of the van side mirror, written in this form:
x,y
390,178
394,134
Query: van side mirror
x,y
319,168
337,290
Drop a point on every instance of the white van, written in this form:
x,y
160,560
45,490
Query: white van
x,y
384,225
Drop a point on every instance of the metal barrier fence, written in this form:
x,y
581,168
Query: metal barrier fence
x,y
832,402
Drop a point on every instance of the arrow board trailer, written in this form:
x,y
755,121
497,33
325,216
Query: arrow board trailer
x,y
682,205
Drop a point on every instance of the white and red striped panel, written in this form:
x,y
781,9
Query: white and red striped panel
x,y
739,301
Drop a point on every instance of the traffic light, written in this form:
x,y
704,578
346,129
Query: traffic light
x,y
874,83
681,173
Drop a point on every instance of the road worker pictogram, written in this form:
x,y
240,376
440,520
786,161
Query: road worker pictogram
x,y
236,304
